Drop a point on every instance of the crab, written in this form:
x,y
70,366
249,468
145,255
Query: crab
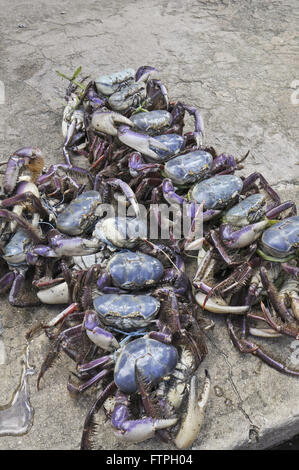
x,y
272,264
160,148
115,320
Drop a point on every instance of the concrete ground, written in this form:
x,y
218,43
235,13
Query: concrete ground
x,y
238,62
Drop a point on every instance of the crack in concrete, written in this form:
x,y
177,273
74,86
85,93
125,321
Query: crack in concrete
x,y
253,433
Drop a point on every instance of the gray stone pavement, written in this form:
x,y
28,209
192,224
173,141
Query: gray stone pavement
x,y
238,62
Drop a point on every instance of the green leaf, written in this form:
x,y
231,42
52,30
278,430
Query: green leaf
x,y
72,79
77,72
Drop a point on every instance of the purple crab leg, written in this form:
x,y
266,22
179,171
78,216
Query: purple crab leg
x,y
249,181
102,361
145,73
245,346
278,305
170,194
17,289
6,281
272,214
21,222
88,424
25,197
290,269
223,164
79,389
152,408
220,248
102,338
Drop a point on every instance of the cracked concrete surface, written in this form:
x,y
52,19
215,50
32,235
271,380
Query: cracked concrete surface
x,y
238,62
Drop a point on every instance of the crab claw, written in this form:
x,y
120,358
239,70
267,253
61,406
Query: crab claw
x,y
127,191
141,142
102,338
146,73
243,237
139,430
106,121
193,420
215,307
54,295
27,156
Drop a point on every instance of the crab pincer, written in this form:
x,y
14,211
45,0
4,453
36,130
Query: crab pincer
x,y
26,156
194,417
137,430
157,148
106,122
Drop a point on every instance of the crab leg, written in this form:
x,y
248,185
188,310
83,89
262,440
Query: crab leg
x,y
236,280
25,226
278,305
194,418
290,269
249,181
17,286
61,245
27,193
246,347
6,281
88,424
79,389
152,408
116,182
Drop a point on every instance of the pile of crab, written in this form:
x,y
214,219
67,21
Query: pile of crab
x,y
79,236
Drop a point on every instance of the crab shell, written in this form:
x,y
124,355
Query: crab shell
x,y
153,358
125,311
121,232
248,211
189,168
108,84
134,270
80,214
282,239
217,192
174,142
127,96
152,122
15,251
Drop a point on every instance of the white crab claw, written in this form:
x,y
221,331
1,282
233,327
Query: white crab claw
x,y
141,142
105,122
212,305
193,420
264,332
142,429
54,295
